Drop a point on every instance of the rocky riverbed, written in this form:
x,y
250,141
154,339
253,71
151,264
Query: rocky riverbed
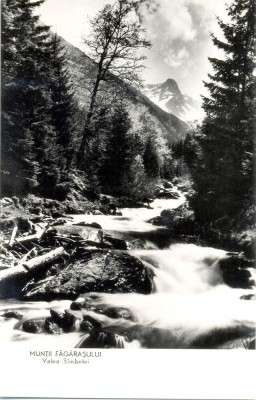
x,y
128,277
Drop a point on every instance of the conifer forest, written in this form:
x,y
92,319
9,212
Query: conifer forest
x,y
141,218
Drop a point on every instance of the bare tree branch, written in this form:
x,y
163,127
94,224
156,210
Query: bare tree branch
x,y
113,44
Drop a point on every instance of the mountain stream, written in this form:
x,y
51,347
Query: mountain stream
x,y
190,307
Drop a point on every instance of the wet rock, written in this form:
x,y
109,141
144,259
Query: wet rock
x,y
250,344
167,194
118,244
248,297
180,220
168,185
85,305
112,273
59,221
157,221
146,337
77,305
119,312
114,210
219,336
124,202
153,338
102,340
235,272
12,314
86,326
65,321
52,327
34,326
92,225
97,212
90,322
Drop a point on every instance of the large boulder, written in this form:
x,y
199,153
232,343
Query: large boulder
x,y
180,220
236,271
103,272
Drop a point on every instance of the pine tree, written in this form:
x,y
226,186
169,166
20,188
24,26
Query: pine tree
x,y
150,159
18,158
63,107
37,103
223,175
117,150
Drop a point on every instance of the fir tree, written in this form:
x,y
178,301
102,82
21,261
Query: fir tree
x,y
117,150
150,159
63,107
223,175
37,102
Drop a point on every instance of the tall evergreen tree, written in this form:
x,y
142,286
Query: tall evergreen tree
x,y
223,174
150,159
36,120
18,159
63,107
117,149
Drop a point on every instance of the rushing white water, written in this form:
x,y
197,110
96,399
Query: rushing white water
x,y
132,219
190,298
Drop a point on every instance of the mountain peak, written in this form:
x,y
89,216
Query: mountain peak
x,y
171,84
168,96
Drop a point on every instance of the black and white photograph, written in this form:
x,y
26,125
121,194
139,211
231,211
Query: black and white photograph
x,y
127,185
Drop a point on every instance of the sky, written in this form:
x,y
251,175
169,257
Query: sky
x,y
179,31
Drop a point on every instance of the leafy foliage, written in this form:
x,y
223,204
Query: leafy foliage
x,y
113,45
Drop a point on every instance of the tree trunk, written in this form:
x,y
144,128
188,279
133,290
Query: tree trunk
x,y
32,265
26,239
86,131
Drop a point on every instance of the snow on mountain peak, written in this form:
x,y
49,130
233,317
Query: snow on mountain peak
x,y
168,96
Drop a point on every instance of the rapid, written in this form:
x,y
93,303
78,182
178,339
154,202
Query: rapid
x,y
190,307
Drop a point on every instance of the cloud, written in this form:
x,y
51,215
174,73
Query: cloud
x,y
179,32
175,26
176,57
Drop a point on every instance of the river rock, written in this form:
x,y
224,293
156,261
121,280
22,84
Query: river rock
x,y
117,336
118,312
65,321
223,337
251,344
52,327
248,297
12,314
112,273
168,185
92,224
89,323
180,220
167,194
102,340
116,243
157,221
85,305
34,326
235,271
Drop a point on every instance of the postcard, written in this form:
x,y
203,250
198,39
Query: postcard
x,y
127,240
